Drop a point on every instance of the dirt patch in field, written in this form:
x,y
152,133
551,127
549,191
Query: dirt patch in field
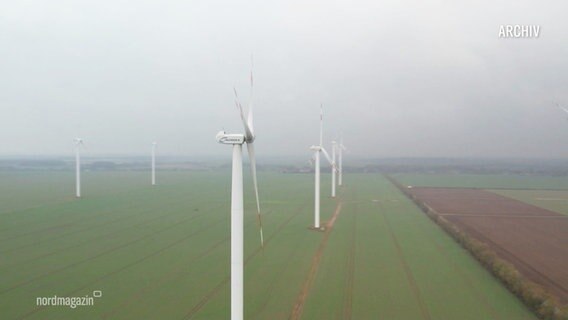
x,y
307,284
348,295
409,276
476,201
535,240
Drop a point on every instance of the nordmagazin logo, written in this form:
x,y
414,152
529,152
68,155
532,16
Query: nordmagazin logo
x,y
71,302
519,31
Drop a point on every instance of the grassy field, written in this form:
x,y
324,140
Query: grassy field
x,y
387,260
163,252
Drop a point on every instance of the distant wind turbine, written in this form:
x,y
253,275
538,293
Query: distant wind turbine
x,y
237,244
78,144
340,148
562,108
333,167
317,149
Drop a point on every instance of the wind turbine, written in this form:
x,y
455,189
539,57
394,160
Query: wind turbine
x,y
154,163
340,149
78,143
333,167
561,107
237,245
317,149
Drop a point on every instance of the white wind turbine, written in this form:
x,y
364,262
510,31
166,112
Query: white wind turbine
x,y
317,149
78,143
237,245
154,163
340,149
333,167
562,108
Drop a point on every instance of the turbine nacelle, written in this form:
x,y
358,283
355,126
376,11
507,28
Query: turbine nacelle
x,y
230,138
315,148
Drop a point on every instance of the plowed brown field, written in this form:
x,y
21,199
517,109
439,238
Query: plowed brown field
x,y
535,240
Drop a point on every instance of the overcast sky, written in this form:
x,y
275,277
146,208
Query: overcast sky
x,y
398,78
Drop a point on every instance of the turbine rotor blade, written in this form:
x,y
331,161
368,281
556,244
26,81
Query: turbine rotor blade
x,y
252,158
560,107
327,157
312,160
238,104
248,131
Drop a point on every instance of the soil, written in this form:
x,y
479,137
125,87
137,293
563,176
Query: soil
x,y
533,239
307,284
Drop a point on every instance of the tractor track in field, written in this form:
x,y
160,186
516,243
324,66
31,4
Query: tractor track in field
x,y
44,230
410,278
168,276
307,284
62,200
273,284
131,264
80,230
212,293
113,249
78,244
63,235
348,296
19,211
481,297
90,216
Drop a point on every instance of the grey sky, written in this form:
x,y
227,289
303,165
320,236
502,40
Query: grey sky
x,y
399,78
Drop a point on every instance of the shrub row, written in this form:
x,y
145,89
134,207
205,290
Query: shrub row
x,y
542,303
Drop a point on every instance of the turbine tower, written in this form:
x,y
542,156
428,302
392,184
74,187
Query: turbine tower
x,y
78,143
237,244
317,149
154,163
340,149
333,167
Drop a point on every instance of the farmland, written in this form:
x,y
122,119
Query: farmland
x,y
163,251
485,181
525,224
530,237
555,200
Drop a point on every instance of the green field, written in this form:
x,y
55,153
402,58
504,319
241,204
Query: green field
x,y
163,252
